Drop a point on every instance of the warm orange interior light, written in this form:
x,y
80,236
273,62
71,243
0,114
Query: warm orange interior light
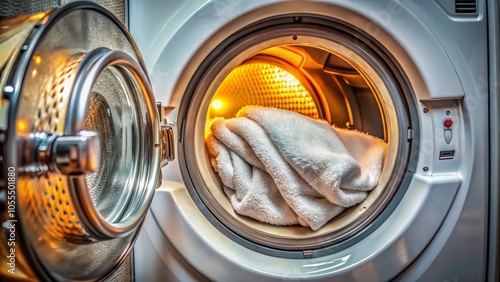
x,y
38,16
22,126
264,84
285,78
217,104
38,60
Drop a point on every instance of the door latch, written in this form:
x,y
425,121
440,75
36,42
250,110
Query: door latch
x,y
167,147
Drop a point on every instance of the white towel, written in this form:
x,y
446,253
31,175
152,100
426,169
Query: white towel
x,y
283,168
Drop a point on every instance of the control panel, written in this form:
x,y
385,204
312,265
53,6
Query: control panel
x,y
440,137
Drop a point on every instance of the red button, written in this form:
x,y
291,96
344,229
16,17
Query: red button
x,y
447,122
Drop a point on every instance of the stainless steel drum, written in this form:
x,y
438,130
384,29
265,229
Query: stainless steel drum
x,y
80,143
16,8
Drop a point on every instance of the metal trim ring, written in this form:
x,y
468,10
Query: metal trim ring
x,y
89,70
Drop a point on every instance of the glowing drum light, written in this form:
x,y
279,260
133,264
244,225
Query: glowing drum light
x,y
263,83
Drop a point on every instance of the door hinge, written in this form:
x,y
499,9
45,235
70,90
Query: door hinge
x,y
166,135
167,147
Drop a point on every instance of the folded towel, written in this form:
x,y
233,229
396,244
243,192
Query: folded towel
x,y
283,168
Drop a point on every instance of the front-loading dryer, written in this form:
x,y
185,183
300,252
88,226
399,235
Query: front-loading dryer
x,y
412,73
82,139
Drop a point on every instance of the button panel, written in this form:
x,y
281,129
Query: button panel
x,y
441,127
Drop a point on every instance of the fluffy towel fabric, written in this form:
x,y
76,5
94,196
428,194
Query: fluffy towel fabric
x,y
283,168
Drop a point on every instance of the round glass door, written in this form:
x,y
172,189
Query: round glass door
x,y
80,143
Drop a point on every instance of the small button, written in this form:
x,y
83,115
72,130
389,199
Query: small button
x,y
448,122
448,136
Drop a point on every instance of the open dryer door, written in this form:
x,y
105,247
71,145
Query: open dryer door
x,y
80,142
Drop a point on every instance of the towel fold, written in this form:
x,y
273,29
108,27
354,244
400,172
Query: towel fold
x,y
283,168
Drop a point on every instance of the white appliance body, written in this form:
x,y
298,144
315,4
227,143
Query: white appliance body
x,y
436,230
